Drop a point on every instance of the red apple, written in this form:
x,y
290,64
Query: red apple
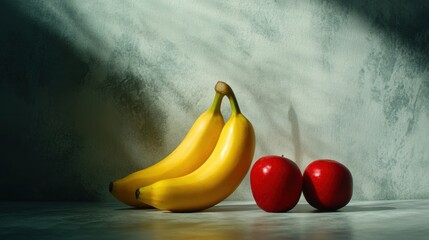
x,y
276,183
327,185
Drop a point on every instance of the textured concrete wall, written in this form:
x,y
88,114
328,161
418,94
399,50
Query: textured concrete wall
x,y
92,90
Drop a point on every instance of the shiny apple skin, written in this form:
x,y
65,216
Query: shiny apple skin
x,y
276,183
327,185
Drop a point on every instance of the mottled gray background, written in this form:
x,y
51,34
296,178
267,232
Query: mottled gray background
x,y
93,90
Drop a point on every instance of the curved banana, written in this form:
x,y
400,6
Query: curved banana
x,y
217,178
189,155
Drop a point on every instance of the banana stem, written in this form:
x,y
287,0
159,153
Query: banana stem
x,y
215,107
225,89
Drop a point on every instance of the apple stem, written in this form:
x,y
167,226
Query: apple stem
x,y
225,89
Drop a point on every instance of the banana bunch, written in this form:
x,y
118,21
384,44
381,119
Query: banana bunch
x,y
189,155
205,168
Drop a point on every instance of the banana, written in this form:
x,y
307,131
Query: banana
x,y
218,177
189,155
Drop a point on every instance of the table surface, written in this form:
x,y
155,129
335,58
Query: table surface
x,y
399,219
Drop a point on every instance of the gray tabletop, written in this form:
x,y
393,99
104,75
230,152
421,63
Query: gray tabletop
x,y
228,220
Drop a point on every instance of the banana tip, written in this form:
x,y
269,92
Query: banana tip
x,y
110,186
137,193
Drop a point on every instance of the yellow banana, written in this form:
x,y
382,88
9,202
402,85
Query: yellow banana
x,y
217,178
189,155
